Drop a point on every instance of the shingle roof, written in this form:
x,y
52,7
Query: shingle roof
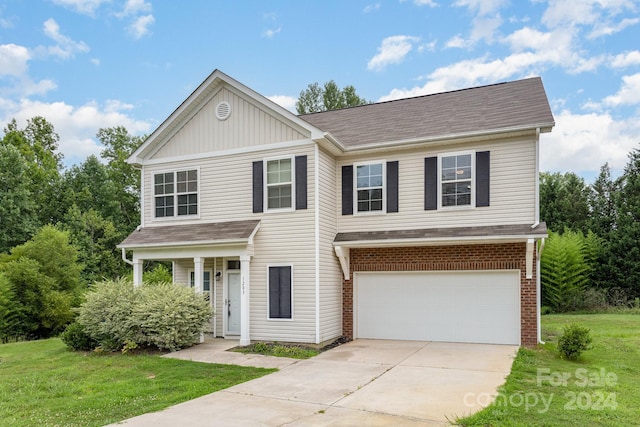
x,y
512,105
191,234
471,233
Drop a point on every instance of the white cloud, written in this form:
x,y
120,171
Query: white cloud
x,y
626,59
95,61
86,7
456,42
140,27
134,7
285,101
629,93
13,60
481,7
392,50
65,47
270,33
372,8
608,28
429,3
599,13
584,142
77,126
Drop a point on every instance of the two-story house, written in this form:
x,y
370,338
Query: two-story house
x,y
414,219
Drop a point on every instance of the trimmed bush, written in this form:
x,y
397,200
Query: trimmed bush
x,y
170,317
574,341
76,338
163,315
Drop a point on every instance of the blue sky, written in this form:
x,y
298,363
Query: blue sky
x,y
87,64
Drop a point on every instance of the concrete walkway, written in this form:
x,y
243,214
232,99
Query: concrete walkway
x,y
364,382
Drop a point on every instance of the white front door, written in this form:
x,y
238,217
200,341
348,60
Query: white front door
x,y
233,303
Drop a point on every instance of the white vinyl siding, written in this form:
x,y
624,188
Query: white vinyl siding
x,y
330,272
513,178
247,126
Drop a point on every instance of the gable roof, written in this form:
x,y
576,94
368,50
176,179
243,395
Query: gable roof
x,y
512,106
201,95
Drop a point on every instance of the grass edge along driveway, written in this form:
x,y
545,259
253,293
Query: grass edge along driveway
x,y
601,389
44,384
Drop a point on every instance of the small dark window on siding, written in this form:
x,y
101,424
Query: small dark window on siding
x,y
280,292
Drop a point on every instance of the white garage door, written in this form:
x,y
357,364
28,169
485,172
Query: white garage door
x,y
474,306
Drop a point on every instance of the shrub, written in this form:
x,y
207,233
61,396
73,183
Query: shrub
x,y
159,274
76,338
169,317
574,340
106,313
163,315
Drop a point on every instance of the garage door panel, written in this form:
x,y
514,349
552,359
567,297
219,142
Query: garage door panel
x,y
481,307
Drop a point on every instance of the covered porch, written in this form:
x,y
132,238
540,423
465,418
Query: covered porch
x,y
211,257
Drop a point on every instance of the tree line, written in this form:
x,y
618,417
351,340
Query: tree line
x,y
592,257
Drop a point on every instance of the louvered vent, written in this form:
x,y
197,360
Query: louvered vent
x,y
223,111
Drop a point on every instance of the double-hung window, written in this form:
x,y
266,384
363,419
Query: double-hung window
x,y
279,183
176,193
280,292
456,180
370,187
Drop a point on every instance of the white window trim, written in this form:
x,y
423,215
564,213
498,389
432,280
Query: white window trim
x,y
175,195
265,190
384,188
212,279
472,204
278,319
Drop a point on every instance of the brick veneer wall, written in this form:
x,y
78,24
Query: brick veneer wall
x,y
507,256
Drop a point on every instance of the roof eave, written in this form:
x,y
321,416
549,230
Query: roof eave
x,y
198,243
438,241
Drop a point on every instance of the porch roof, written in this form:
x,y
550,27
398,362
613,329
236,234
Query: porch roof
x,y
449,235
192,234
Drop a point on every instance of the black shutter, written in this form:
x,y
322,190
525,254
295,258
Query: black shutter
x,y
280,292
258,187
430,183
482,178
347,190
392,186
301,182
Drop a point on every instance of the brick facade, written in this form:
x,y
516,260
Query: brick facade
x,y
506,256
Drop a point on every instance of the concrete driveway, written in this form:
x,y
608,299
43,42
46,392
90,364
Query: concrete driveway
x,y
364,382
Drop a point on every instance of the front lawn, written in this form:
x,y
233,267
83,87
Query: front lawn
x,y
601,389
44,384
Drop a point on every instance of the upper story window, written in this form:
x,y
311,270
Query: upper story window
x,y
370,187
176,193
456,179
279,184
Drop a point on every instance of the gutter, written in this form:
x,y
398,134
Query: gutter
x,y
124,257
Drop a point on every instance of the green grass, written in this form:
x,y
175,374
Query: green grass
x,y
601,388
279,350
44,384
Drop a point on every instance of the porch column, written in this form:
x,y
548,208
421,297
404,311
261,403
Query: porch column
x,y
198,278
138,266
245,273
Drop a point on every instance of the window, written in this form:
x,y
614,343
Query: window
x,y
279,184
280,292
176,193
456,180
370,187
206,281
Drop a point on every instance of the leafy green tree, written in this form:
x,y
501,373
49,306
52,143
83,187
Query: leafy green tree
x,y
602,216
623,244
564,201
17,209
45,277
96,239
11,315
119,145
329,97
38,144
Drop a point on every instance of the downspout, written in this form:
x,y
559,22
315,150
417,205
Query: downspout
x,y
316,207
124,256
535,224
539,289
213,283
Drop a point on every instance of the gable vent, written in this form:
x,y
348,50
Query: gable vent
x,y
223,110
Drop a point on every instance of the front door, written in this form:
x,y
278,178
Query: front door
x,y
233,303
